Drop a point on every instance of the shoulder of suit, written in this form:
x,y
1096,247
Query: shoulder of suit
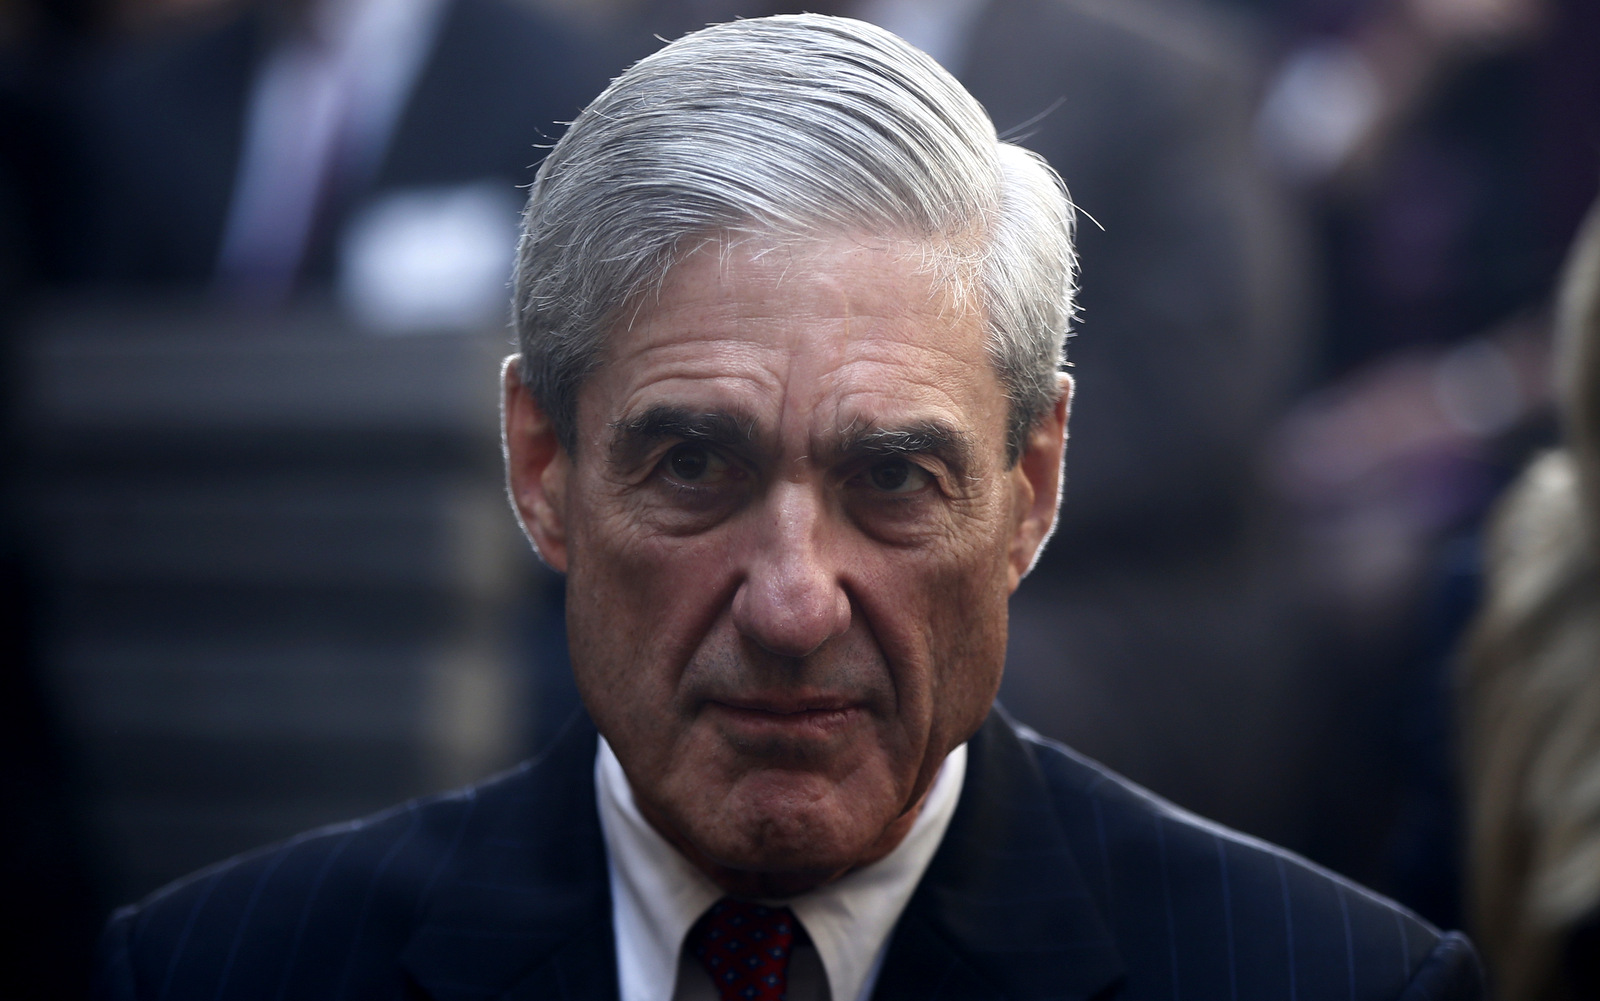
x,y
1073,775
1142,852
368,879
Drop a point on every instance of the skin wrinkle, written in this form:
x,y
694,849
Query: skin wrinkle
x,y
675,149
787,577
631,439
637,442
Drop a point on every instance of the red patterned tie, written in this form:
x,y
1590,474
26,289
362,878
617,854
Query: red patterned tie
x,y
745,947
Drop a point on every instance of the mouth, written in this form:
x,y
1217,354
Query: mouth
x,y
820,716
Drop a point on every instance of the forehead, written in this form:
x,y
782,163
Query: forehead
x,y
815,335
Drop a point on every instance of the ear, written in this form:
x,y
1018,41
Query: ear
x,y
537,467
1037,484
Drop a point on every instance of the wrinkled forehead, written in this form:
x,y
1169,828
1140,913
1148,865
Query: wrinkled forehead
x,y
757,285
947,268
839,333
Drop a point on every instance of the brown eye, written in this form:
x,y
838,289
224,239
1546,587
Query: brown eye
x,y
689,463
897,476
692,465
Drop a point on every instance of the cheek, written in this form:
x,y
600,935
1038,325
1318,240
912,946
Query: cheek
x,y
969,617
940,615
638,605
645,574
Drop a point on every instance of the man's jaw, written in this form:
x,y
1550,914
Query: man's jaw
x,y
783,866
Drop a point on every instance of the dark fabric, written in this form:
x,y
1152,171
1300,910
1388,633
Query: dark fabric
x,y
1056,879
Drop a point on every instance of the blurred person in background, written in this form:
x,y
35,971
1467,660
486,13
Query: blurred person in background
x,y
1530,690
1447,150
370,147
1160,611
1450,148
165,157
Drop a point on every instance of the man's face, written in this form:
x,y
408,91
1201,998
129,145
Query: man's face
x,y
790,535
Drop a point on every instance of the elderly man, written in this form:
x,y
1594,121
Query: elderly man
x,y
788,415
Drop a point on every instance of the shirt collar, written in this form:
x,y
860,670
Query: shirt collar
x,y
657,895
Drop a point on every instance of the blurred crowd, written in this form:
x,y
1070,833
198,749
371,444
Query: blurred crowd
x,y
256,575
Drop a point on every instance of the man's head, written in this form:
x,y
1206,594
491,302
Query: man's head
x,y
788,414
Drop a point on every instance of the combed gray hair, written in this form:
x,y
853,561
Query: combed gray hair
x,y
800,126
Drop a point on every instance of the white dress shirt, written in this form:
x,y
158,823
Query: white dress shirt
x,y
657,895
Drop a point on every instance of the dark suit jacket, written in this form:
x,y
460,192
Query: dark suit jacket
x,y
1056,879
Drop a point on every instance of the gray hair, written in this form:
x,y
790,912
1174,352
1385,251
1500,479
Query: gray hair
x,y
797,126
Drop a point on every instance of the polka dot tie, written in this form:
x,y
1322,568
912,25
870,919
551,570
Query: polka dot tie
x,y
746,947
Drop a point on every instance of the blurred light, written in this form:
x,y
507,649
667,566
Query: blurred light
x,y
430,259
1320,106
1478,389
938,27
1484,23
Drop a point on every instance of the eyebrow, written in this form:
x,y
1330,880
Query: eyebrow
x,y
633,438
935,438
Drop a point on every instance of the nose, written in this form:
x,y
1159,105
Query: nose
x,y
791,600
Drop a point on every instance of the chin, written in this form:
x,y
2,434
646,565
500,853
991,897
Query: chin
x,y
781,826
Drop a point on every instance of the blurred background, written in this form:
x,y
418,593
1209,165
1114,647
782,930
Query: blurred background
x,y
259,574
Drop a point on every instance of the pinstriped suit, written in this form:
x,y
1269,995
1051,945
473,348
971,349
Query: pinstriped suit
x,y
1056,879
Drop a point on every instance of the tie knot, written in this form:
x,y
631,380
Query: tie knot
x,y
746,948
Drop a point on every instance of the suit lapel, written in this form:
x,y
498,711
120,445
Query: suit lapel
x,y
523,907
1002,911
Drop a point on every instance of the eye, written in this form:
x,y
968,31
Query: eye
x,y
897,476
695,464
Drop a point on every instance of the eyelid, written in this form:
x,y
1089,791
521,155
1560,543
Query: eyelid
x,y
718,462
916,461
